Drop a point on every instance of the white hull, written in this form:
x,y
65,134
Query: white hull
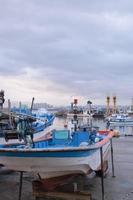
x,y
128,123
120,119
57,166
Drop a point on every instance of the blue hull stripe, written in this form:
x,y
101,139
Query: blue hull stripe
x,y
49,154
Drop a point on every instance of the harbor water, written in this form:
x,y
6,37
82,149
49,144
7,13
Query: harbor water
x,y
123,130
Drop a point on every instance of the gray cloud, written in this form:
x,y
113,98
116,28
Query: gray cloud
x,y
82,47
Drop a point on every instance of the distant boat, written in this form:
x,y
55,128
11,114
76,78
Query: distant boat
x,y
98,114
130,112
61,153
120,119
80,114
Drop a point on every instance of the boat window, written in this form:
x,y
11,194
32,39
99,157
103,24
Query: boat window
x,y
62,134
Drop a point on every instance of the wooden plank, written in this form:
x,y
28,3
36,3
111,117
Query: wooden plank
x,y
41,192
66,196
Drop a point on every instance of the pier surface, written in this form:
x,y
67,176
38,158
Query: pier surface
x,y
120,187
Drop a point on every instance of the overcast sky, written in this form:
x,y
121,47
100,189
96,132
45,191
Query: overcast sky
x,y
56,50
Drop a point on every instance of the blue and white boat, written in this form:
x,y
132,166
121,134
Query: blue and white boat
x,y
42,119
120,119
61,153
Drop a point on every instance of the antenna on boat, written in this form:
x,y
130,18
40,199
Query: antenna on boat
x,y
20,106
75,122
75,108
32,103
89,111
89,103
72,106
9,112
75,111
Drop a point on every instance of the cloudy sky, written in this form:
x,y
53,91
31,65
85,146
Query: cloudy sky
x,y
56,50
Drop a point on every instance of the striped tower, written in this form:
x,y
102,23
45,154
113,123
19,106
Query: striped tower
x,y
108,106
114,104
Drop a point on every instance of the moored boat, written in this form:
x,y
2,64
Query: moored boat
x,y
42,119
63,153
120,119
80,112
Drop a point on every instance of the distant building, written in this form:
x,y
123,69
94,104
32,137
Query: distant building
x,y
42,105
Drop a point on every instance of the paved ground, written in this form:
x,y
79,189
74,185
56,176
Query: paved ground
x,y
118,188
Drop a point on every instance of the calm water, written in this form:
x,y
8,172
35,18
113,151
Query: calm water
x,y
60,122
124,130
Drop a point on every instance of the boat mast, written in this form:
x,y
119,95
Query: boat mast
x,y
32,103
89,111
75,117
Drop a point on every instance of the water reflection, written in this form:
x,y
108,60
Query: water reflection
x,y
124,130
59,123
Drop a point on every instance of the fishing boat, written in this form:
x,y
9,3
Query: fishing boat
x,y
120,119
80,115
80,112
61,153
42,119
99,114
